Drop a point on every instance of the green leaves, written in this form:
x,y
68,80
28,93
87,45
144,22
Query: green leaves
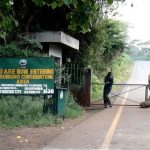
x,y
103,44
3,34
109,1
60,3
39,3
68,2
7,20
54,5
82,17
78,16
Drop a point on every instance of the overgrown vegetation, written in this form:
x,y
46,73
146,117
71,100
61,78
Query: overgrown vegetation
x,y
17,111
105,43
47,15
121,67
73,110
71,16
20,111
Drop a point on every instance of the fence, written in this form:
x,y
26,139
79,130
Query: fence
x,y
117,94
79,82
75,72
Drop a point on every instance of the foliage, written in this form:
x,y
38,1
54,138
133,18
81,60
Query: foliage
x,y
84,16
103,44
21,48
61,76
97,89
121,67
17,111
7,19
13,51
73,110
74,16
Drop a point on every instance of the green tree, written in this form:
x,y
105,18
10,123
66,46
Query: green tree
x,y
7,19
74,16
103,44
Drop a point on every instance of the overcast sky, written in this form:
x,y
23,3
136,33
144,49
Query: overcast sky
x,y
138,18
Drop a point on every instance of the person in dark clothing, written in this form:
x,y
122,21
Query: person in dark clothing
x,y
107,88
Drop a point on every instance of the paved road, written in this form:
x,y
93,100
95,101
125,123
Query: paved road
x,y
116,128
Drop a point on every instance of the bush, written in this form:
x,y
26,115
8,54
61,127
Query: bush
x,y
122,68
12,50
17,111
73,109
97,89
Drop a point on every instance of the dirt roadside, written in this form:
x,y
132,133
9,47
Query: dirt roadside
x,y
35,138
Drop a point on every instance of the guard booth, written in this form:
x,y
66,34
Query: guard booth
x,y
56,44
60,46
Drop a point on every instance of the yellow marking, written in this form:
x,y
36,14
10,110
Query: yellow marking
x,y
18,137
26,140
108,138
106,143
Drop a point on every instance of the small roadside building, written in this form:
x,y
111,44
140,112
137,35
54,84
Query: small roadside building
x,y
63,47
57,44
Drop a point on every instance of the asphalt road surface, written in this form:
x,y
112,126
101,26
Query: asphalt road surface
x,y
117,128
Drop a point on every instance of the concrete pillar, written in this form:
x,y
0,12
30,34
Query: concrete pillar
x,y
55,51
88,87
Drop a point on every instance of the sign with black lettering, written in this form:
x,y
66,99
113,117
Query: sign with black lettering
x,y
27,75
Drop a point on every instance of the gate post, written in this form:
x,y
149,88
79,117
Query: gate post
x,y
146,92
87,87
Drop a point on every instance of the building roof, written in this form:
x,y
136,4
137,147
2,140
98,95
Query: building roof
x,y
56,37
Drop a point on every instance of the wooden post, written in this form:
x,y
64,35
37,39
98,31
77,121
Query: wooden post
x,y
87,87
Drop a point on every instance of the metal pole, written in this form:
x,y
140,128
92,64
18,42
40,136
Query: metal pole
x,y
146,93
125,84
117,104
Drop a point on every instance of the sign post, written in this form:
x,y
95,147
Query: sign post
x,y
29,76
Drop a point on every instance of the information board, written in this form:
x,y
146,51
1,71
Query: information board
x,y
27,75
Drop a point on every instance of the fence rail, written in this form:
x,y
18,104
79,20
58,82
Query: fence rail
x,y
124,84
127,84
76,73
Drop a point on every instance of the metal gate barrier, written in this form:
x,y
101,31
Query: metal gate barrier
x,y
114,96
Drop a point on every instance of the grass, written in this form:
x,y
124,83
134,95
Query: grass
x,y
17,111
20,111
73,110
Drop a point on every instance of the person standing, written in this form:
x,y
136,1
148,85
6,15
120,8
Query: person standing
x,y
108,80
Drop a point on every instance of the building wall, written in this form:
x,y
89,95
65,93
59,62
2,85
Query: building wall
x,y
55,51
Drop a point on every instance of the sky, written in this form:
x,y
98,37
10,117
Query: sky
x,y
137,17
